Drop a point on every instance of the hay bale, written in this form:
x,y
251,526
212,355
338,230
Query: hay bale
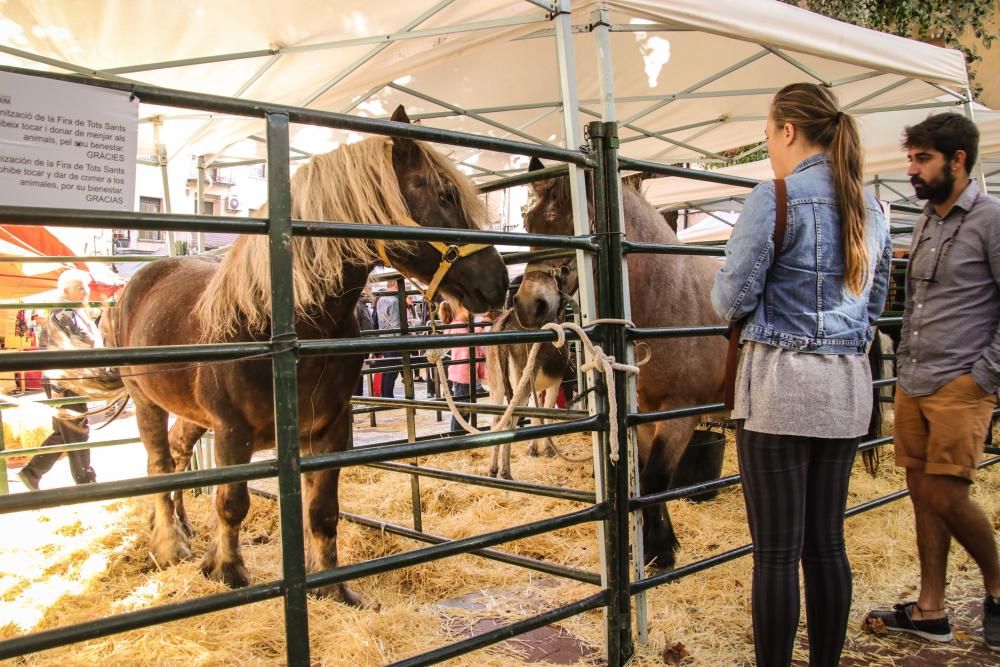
x,y
79,563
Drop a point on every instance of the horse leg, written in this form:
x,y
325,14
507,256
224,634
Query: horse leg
x,y
669,440
551,397
533,448
322,511
496,396
223,560
168,543
183,434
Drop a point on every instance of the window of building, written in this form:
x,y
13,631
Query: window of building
x,y
150,205
258,170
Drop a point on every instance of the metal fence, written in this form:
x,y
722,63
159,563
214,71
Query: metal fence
x,y
611,504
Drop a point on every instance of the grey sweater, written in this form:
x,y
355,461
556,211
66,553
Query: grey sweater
x,y
785,392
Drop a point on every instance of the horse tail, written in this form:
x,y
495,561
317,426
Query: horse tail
x,y
871,456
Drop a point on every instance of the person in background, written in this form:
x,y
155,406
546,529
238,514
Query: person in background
x,y
72,325
387,309
949,371
459,375
803,394
363,312
41,328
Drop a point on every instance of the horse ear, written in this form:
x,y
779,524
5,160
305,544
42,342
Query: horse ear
x,y
535,164
405,153
399,115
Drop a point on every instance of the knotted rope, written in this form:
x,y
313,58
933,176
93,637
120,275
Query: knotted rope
x,y
599,361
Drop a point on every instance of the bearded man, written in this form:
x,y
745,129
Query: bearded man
x,y
949,370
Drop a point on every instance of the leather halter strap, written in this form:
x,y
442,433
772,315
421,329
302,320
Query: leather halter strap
x,y
450,252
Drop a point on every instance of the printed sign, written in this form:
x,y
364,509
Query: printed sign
x,y
66,145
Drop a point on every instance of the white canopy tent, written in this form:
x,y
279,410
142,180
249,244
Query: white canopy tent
x,y
885,166
690,79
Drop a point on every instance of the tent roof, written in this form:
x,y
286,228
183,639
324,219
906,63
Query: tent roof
x,y
881,136
691,78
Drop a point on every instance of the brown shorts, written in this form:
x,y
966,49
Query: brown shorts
x,y
943,434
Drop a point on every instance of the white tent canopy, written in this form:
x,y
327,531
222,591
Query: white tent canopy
x,y
884,158
691,78
885,162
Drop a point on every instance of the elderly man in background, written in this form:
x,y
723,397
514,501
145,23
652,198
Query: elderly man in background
x,y
69,326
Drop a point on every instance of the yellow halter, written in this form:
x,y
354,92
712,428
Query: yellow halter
x,y
450,253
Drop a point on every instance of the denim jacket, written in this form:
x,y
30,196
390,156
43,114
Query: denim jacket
x,y
800,303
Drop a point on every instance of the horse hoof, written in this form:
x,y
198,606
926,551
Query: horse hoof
x,y
169,546
233,575
186,527
344,595
507,475
493,472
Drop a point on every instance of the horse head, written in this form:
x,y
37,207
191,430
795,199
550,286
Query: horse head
x,y
436,194
548,284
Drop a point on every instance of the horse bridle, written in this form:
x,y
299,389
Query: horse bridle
x,y
450,253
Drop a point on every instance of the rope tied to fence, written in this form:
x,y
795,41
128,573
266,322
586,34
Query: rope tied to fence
x,y
599,362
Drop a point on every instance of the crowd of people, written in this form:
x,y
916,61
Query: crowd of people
x,y
383,314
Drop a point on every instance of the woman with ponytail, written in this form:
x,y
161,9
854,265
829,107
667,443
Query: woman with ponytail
x,y
803,393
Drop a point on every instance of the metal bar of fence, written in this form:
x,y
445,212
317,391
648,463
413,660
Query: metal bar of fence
x,y
444,653
380,453
636,418
46,639
396,343
131,356
576,495
634,247
644,333
718,484
65,217
59,259
508,258
733,554
690,174
610,226
527,177
76,446
72,217
395,232
257,109
492,554
346,573
285,385
141,486
481,408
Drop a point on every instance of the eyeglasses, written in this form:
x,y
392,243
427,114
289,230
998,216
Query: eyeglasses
x,y
943,247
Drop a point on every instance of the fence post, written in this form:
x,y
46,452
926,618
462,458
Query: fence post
x,y
286,403
611,304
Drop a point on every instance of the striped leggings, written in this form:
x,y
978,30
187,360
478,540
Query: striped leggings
x,y
795,489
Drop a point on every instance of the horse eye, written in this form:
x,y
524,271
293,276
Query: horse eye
x,y
448,196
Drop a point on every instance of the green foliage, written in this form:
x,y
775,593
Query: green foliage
x,y
938,21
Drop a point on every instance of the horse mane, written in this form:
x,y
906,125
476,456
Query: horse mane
x,y
355,183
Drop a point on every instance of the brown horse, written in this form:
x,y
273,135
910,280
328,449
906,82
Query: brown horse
x,y
666,291
376,181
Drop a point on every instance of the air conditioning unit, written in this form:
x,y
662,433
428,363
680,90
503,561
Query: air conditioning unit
x,y
233,203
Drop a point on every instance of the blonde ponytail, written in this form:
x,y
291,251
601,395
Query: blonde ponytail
x,y
813,111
